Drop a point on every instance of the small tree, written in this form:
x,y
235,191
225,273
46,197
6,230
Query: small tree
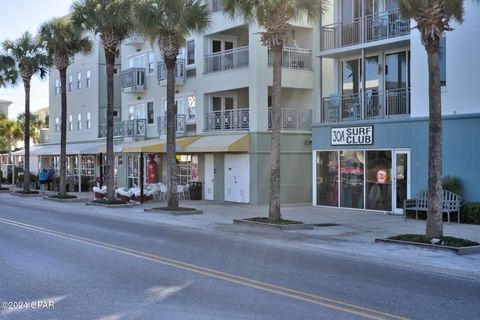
x,y
168,22
62,41
274,17
10,132
30,59
35,125
111,19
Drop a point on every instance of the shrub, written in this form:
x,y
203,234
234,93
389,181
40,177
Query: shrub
x,y
470,213
452,184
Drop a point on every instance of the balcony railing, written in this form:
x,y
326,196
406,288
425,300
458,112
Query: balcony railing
x,y
135,40
133,80
181,128
226,60
293,119
180,74
236,119
294,58
125,129
383,25
378,105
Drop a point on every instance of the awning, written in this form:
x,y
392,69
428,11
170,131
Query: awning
x,y
156,145
54,149
220,143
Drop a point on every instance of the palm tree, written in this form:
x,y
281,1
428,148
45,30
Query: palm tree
x,y
35,125
168,22
11,132
30,60
433,18
8,72
111,19
62,41
274,17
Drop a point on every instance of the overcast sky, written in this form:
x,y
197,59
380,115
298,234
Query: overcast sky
x,y
19,16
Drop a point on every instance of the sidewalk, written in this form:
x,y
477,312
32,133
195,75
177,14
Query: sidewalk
x,y
352,234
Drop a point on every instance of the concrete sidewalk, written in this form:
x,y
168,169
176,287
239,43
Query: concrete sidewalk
x,y
352,234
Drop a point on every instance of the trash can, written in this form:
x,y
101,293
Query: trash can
x,y
195,189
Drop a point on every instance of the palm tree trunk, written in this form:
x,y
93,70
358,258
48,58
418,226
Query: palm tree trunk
x,y
109,170
62,191
434,214
26,162
172,200
274,204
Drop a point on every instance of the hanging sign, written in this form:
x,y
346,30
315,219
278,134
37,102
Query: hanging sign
x,y
347,136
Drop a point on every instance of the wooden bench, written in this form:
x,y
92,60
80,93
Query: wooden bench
x,y
450,203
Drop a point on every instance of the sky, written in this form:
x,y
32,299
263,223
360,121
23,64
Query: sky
x,y
17,17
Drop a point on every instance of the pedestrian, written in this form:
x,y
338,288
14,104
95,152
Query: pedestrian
x,y
50,177
42,177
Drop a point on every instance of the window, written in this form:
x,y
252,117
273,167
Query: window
x,y
89,120
151,63
57,87
70,122
150,113
137,61
216,6
57,124
79,81
191,100
191,52
443,61
89,75
136,111
70,83
79,121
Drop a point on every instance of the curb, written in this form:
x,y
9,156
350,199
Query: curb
x,y
65,200
111,206
175,213
274,226
458,250
32,195
6,191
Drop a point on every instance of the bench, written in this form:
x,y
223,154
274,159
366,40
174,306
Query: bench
x,y
450,203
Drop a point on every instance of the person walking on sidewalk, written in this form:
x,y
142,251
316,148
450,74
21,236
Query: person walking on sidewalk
x,y
42,177
50,177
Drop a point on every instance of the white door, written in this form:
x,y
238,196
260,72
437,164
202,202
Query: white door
x,y
401,179
237,178
209,177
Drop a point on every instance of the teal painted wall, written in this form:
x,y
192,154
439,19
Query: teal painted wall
x,y
461,149
295,168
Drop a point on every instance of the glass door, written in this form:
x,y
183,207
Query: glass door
x,y
401,179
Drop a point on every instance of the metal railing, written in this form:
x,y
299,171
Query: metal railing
x,y
378,26
133,80
180,74
293,119
294,58
125,129
226,60
236,119
181,128
134,40
378,105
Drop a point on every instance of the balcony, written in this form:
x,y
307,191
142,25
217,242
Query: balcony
x,y
293,119
125,129
181,128
378,105
294,58
227,120
180,73
133,80
135,41
379,26
226,60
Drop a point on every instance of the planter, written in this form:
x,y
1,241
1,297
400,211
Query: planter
x,y
457,250
124,198
299,226
139,198
178,212
99,195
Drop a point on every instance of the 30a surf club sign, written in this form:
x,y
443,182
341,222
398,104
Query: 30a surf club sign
x,y
350,136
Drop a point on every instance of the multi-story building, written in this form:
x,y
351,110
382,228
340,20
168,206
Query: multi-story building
x,y
4,104
223,95
370,139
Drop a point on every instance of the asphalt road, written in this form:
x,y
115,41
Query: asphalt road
x,y
64,265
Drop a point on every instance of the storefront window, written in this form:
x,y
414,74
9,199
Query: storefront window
x,y
327,178
187,169
352,179
379,180
133,171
